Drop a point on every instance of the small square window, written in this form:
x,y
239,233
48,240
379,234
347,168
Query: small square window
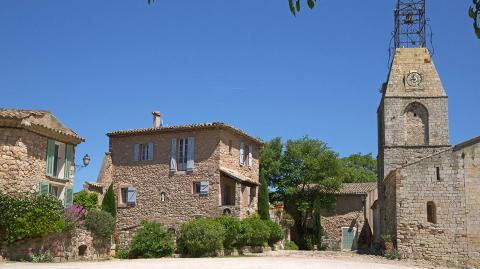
x,y
200,187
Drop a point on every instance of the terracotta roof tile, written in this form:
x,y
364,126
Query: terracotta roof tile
x,y
162,129
37,121
357,188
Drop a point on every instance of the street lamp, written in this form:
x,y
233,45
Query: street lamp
x,y
86,161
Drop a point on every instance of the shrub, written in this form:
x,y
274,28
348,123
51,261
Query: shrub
x,y
100,223
151,241
108,202
387,238
392,254
290,245
244,235
232,228
88,200
260,231
201,237
276,232
74,217
42,257
31,216
122,254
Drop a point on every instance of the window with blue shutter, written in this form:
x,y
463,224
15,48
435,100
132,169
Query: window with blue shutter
x,y
173,155
242,157
250,156
136,152
68,160
68,199
190,153
150,151
50,157
204,187
131,196
44,187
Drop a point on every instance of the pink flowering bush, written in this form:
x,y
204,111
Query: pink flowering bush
x,y
74,217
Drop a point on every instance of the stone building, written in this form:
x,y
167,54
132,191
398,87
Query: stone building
x,y
428,189
37,154
343,224
172,174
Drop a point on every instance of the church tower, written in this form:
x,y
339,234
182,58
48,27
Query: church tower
x,y
413,111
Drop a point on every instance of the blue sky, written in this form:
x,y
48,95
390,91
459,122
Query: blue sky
x,y
106,65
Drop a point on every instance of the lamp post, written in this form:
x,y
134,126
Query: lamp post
x,y
86,161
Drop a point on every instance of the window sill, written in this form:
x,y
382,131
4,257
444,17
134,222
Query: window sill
x,y
125,205
58,180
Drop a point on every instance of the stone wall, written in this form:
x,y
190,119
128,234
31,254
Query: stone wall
x,y
389,208
22,160
418,184
332,227
151,178
469,159
80,245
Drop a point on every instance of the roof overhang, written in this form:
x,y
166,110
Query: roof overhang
x,y
238,176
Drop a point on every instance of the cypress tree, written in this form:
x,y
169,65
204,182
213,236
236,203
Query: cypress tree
x,y
263,204
108,203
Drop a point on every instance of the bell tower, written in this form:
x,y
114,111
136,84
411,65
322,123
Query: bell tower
x,y
413,111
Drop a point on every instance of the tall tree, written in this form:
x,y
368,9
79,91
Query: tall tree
x,y
270,163
108,202
309,171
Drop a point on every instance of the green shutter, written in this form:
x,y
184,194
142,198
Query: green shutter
x,y
68,160
68,196
50,156
44,187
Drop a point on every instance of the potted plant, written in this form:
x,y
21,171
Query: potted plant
x,y
388,242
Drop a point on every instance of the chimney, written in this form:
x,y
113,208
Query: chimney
x,y
157,119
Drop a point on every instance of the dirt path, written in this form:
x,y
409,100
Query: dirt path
x,y
266,262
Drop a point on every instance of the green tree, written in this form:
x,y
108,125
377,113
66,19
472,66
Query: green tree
x,y
309,171
474,13
108,203
89,200
270,163
358,168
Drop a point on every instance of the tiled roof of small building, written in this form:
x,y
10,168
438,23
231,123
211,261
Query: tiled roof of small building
x,y
236,175
39,121
357,188
188,127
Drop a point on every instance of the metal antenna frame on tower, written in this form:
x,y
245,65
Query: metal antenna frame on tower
x,y
410,24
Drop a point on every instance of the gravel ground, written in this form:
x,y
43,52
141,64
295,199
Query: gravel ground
x,y
271,260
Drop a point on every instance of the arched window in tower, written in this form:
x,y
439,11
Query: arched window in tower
x,y
162,197
416,124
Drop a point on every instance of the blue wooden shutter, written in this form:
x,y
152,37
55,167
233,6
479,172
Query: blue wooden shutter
x,y
68,160
44,187
173,155
241,154
136,152
191,154
68,199
50,156
204,187
150,151
250,156
132,195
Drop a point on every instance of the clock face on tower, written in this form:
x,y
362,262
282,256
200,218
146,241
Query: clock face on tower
x,y
413,79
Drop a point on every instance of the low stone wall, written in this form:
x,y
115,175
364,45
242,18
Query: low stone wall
x,y
80,245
